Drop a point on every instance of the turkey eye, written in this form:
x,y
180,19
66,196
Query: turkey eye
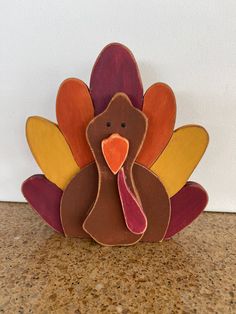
x,y
123,124
108,124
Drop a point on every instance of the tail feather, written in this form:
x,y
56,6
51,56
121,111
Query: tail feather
x,y
44,196
186,206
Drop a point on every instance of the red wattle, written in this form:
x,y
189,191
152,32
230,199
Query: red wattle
x,y
135,218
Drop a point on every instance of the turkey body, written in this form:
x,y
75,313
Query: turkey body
x,y
93,206
80,195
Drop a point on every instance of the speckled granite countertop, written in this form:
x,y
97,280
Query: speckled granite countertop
x,y
42,272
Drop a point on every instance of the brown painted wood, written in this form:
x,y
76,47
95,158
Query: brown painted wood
x,y
77,199
155,202
105,222
81,193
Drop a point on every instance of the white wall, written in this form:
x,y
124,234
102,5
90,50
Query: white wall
x,y
191,45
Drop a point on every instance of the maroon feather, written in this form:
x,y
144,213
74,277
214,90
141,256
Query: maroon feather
x,y
115,71
44,196
186,206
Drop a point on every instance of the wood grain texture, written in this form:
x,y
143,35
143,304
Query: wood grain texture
x,y
186,206
44,197
115,70
180,157
74,110
77,200
159,106
51,151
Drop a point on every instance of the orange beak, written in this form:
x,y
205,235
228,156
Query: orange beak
x,y
115,150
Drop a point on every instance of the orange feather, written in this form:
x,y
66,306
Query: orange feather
x,y
160,108
74,110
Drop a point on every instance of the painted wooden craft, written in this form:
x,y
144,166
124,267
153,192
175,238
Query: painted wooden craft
x,y
75,110
160,109
115,170
51,151
45,198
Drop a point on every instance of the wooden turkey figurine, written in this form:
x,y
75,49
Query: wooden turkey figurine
x,y
114,169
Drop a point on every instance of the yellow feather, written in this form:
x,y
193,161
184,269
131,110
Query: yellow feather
x,y
182,154
51,151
